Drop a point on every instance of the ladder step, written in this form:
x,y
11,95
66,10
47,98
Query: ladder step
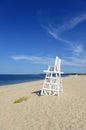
x,y
53,77
51,83
50,89
53,72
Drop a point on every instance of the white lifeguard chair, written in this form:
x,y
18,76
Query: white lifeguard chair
x,y
53,82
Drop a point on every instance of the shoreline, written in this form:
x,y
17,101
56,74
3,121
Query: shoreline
x,y
16,79
21,82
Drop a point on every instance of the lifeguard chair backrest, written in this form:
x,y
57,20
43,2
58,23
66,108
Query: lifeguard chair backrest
x,y
57,64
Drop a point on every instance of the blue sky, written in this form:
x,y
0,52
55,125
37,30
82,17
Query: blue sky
x,y
34,32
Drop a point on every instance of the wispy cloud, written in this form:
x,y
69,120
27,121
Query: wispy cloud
x,y
23,57
72,23
75,61
76,20
34,59
70,61
77,49
56,32
56,36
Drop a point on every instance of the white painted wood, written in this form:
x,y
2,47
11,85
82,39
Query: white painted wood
x,y
53,82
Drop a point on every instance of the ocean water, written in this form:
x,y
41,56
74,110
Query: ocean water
x,y
6,79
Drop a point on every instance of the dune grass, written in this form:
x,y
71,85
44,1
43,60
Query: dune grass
x,y
21,99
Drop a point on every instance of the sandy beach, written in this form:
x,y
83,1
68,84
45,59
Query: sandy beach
x,y
64,112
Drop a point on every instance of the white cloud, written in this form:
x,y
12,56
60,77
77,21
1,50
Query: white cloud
x,y
34,59
23,57
72,23
70,61
77,49
55,36
55,32
75,61
76,20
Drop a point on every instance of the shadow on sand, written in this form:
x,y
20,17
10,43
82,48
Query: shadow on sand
x,y
37,92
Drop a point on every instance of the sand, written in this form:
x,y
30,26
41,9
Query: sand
x,y
64,112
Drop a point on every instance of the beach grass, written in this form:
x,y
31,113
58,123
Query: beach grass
x,y
84,74
21,99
